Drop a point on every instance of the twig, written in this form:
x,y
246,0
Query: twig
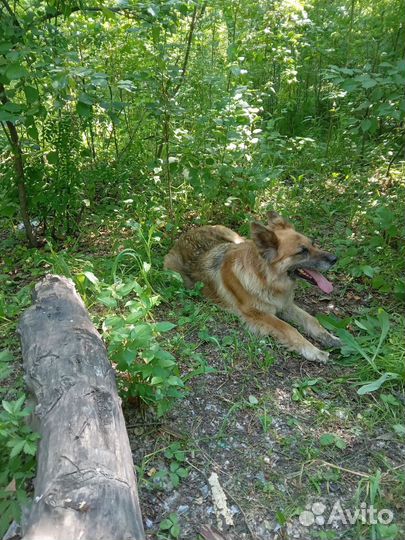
x,y
394,157
251,532
143,424
333,466
393,469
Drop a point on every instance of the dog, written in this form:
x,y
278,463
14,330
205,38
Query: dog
x,y
255,279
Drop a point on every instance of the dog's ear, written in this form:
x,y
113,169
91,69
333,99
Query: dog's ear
x,y
265,239
275,221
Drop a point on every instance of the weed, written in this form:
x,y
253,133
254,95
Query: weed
x,y
149,372
169,527
330,439
377,350
370,492
18,445
176,457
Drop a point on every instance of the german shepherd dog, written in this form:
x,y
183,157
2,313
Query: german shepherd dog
x,y
255,279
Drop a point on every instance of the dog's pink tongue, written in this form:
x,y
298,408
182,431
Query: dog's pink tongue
x,y
325,285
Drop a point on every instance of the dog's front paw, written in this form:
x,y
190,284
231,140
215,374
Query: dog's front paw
x,y
316,355
332,341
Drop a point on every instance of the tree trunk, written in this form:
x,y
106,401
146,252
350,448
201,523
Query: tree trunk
x,y
19,173
85,486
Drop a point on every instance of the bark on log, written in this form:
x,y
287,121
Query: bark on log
x,y
85,487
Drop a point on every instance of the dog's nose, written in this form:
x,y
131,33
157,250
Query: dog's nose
x,y
332,259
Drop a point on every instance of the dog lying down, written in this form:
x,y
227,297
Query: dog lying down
x,y
255,279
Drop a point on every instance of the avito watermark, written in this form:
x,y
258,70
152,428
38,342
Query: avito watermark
x,y
364,513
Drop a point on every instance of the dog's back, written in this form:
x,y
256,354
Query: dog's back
x,y
186,255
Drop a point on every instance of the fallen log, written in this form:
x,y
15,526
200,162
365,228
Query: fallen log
x,y
85,486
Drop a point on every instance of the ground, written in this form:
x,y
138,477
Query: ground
x,y
283,434
257,422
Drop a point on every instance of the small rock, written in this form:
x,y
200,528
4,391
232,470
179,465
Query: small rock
x,y
183,509
170,502
260,476
211,407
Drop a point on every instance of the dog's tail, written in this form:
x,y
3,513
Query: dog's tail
x,y
223,234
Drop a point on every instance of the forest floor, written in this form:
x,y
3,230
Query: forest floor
x,y
281,433
257,422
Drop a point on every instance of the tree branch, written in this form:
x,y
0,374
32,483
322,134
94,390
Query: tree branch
x,y
188,49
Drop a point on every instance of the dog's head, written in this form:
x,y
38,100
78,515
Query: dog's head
x,y
291,253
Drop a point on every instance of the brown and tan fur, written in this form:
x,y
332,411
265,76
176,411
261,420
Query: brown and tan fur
x,y
252,278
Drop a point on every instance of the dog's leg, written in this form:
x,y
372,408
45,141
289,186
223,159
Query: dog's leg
x,y
310,325
290,337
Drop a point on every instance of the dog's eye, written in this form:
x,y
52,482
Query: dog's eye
x,y
303,251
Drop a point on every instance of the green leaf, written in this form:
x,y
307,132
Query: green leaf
x,y
142,333
91,277
182,472
165,525
350,85
164,326
126,288
15,71
174,381
365,125
6,116
390,400
368,270
125,358
180,455
375,385
327,439
33,132
253,400
83,109
340,443
113,322
399,429
31,94
5,356
368,82
164,358
30,448
175,530
107,300
351,343
52,157
387,532
5,46
175,480
17,447
126,85
384,323
8,407
86,99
